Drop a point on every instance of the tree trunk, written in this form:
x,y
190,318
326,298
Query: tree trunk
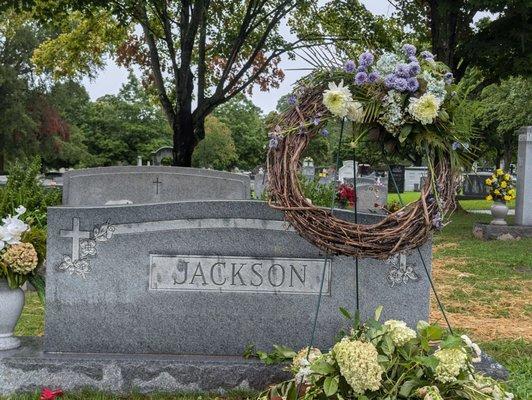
x,y
184,139
2,161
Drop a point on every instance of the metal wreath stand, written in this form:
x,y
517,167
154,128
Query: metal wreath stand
x,y
402,230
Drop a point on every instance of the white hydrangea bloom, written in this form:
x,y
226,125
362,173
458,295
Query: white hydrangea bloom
x,y
386,63
399,332
358,364
452,362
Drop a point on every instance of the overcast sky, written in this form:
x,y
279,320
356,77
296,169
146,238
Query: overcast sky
x,y
112,77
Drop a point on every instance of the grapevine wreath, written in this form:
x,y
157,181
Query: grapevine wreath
x,y
405,102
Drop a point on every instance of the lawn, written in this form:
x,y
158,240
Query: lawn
x,y
486,287
408,197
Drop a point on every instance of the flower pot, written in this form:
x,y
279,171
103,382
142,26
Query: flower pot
x,y
11,304
499,211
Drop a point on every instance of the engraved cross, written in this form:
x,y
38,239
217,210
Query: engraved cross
x,y
76,236
157,183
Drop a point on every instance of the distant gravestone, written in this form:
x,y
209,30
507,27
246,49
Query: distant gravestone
x,y
308,170
141,185
413,177
260,183
161,154
523,205
396,182
347,170
474,185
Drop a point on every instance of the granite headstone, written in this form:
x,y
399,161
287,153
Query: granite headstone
x,y
155,184
523,204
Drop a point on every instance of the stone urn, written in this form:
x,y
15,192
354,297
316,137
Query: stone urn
x,y
499,211
11,304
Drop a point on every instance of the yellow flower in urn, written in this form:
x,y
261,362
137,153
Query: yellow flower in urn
x,y
499,172
504,184
489,197
507,177
507,198
488,182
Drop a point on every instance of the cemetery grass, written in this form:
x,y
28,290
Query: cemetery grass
x,y
408,197
485,286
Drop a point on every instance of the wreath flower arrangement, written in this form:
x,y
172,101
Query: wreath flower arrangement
x,y
402,100
390,361
501,186
21,252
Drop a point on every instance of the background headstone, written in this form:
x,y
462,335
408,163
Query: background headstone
x,y
474,185
160,154
141,185
523,204
397,178
413,177
347,170
308,170
260,183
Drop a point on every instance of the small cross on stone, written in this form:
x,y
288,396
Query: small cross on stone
x,y
157,182
76,236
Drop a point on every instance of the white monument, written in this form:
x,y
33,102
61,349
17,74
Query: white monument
x,y
523,205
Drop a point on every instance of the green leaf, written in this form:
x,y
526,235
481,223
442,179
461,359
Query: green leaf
x,y
451,342
330,385
322,367
345,313
428,361
38,283
434,332
378,313
405,131
406,388
292,392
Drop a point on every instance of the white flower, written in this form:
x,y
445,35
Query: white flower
x,y
20,210
302,375
337,98
452,362
424,109
399,332
12,230
474,347
355,111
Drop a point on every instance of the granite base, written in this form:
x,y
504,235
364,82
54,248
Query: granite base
x,y
28,369
501,232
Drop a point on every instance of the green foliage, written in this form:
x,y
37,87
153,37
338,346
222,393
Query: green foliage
x,y
248,130
320,195
500,111
278,355
218,149
24,188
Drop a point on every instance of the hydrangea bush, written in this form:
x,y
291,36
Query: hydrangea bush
x,y
21,252
390,361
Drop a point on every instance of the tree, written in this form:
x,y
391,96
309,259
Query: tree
x,y
503,108
30,122
207,50
248,130
120,128
217,150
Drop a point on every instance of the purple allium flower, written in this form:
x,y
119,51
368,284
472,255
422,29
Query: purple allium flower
x,y
292,100
400,84
427,55
389,81
448,78
324,132
361,78
366,59
409,50
349,66
437,221
414,68
412,84
273,143
456,145
403,70
373,76
361,68
412,59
